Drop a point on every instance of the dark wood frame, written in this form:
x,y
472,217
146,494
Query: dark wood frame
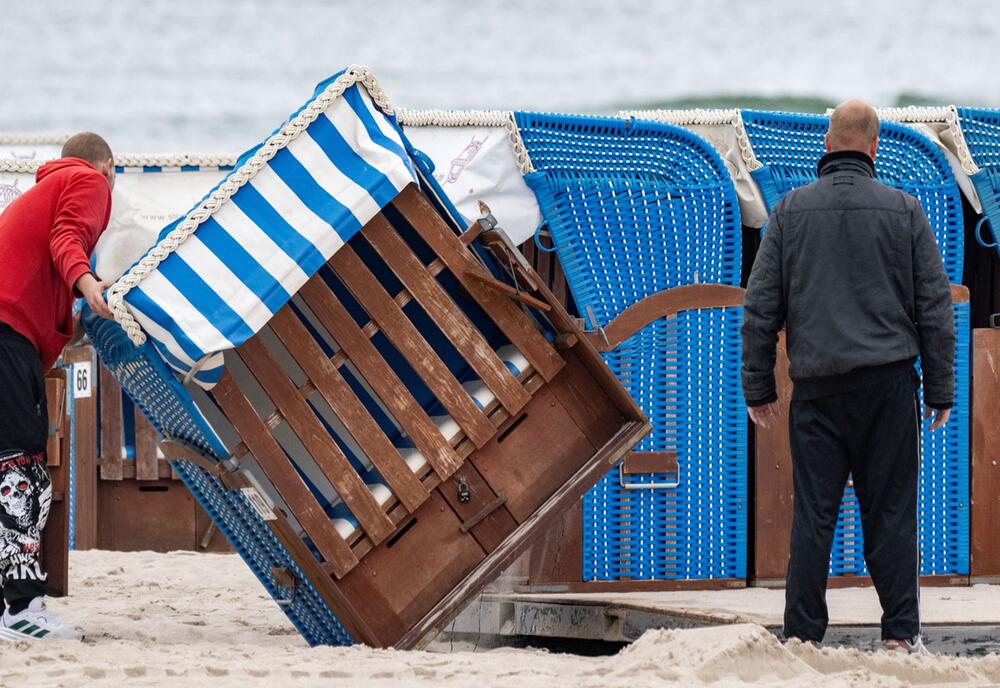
x,y
84,453
515,483
984,516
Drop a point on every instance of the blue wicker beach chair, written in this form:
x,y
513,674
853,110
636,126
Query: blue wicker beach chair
x,y
358,392
789,146
981,130
645,220
675,509
634,207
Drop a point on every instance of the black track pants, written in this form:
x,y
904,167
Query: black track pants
x,y
872,433
25,488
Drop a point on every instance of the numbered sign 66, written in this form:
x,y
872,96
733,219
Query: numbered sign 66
x,y
82,383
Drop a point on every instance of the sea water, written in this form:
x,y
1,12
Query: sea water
x,y
216,75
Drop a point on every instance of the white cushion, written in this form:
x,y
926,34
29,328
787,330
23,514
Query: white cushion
x,y
513,358
344,527
413,458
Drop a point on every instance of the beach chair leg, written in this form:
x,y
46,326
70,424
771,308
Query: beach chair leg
x,y
206,538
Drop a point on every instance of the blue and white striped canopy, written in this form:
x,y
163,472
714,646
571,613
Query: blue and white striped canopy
x,y
244,262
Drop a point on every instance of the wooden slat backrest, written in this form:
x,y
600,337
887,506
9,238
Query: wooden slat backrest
x,y
349,409
320,308
446,314
521,332
380,306
360,351
317,441
548,267
283,476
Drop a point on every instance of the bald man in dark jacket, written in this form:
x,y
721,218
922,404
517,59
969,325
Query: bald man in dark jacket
x,y
850,268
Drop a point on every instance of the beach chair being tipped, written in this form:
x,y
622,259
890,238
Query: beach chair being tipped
x,y
376,409
789,146
645,220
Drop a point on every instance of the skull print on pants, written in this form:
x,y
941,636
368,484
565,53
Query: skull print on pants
x,y
25,498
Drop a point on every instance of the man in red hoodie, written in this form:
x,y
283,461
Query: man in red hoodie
x,y
46,237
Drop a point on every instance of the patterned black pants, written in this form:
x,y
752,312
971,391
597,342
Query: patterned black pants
x,y
25,487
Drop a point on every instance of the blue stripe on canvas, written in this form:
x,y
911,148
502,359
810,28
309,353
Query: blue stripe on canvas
x,y
356,101
261,213
348,161
244,266
315,197
203,298
163,350
142,302
210,376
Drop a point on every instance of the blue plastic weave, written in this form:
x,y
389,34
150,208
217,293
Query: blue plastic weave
x,y
944,487
981,129
681,371
167,405
790,145
634,207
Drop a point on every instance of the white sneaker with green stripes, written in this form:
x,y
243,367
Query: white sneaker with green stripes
x,y
35,623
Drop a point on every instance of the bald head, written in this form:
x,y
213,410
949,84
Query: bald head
x,y
853,126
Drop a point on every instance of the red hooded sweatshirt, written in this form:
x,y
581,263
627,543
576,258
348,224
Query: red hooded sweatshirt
x,y
46,237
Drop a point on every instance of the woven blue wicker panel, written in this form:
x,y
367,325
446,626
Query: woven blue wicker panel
x,y
167,405
790,145
981,129
681,371
944,487
634,207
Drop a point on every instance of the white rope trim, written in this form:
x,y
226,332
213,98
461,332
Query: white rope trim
x,y
472,118
33,139
912,114
16,166
947,114
964,154
703,117
247,171
174,160
452,118
684,117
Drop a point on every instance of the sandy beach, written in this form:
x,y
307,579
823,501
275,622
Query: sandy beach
x,y
202,619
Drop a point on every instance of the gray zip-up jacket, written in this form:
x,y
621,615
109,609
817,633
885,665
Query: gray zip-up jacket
x,y
851,269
